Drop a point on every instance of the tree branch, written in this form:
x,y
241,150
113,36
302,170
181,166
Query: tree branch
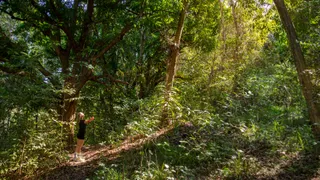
x,y
2,59
12,16
117,39
43,70
12,70
86,23
100,82
47,74
45,15
47,32
112,79
74,16
64,27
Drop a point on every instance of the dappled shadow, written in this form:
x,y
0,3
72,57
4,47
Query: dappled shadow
x,y
64,172
268,163
127,157
106,154
278,165
305,166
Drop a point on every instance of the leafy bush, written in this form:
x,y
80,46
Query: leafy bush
x,y
40,148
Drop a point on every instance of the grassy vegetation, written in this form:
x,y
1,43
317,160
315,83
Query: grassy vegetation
x,y
236,106
261,132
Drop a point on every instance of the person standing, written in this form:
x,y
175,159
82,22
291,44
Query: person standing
x,y
80,136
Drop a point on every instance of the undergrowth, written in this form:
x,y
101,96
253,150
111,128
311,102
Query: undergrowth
x,y
258,127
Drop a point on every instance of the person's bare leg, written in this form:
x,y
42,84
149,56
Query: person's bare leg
x,y
77,155
79,145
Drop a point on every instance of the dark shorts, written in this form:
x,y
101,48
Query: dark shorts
x,y
80,135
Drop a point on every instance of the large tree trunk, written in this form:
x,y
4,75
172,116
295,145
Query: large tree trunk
x,y
71,94
303,74
172,62
68,109
68,117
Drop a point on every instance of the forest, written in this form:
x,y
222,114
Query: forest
x,y
159,89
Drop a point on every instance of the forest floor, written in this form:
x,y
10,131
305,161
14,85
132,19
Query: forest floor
x,y
94,155
281,165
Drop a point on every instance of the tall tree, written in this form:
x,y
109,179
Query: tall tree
x,y
80,34
303,73
172,61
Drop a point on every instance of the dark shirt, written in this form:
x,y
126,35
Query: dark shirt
x,y
82,129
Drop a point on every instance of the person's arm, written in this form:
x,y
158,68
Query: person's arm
x,y
89,120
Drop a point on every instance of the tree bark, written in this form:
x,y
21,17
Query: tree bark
x,y
237,28
68,111
172,62
72,88
140,64
303,74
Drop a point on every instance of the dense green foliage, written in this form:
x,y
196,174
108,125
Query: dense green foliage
x,y
236,87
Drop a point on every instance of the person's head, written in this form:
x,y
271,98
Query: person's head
x,y
81,115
